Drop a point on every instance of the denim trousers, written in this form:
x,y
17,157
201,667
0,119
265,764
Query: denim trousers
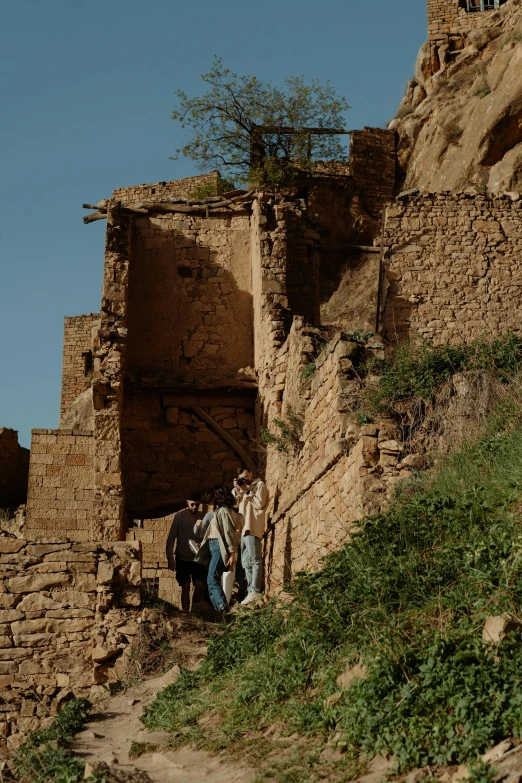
x,y
251,558
216,569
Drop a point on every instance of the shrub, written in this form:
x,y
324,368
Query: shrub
x,y
290,431
202,192
452,131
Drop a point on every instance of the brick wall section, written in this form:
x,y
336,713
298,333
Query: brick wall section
x,y
14,469
152,534
68,614
454,268
165,191
373,162
342,471
449,17
77,340
61,485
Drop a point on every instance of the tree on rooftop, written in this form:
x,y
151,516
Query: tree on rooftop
x,y
240,125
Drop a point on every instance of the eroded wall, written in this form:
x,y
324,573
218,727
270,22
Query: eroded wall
x,y
67,614
77,370
173,189
454,267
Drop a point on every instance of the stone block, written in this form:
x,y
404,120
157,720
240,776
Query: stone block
x,y
37,582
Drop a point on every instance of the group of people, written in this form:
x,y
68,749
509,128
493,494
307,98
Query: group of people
x,y
227,539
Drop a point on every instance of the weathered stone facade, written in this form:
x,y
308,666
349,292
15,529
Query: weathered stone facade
x,y
77,372
451,17
67,614
453,266
14,469
159,191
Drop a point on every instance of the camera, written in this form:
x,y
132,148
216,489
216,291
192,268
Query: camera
x,y
242,482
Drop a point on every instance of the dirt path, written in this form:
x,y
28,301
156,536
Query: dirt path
x,y
115,724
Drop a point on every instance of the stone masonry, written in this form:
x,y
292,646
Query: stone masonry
x,y
77,369
450,17
453,266
67,615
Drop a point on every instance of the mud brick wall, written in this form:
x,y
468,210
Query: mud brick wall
x,y
190,300
341,471
14,468
449,17
61,485
169,452
373,161
77,340
159,191
454,267
67,615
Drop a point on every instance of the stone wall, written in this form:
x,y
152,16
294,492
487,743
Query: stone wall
x,y
157,578
453,266
339,472
373,162
450,17
67,615
159,191
14,469
189,312
77,371
61,485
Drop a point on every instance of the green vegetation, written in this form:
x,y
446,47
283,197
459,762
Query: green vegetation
x,y
407,597
210,189
225,125
417,369
44,759
290,431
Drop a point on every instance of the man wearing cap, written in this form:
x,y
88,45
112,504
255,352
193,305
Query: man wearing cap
x,y
182,560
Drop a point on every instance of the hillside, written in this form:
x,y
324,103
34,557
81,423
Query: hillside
x,y
460,122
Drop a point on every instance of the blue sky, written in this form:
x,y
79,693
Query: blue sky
x,y
86,94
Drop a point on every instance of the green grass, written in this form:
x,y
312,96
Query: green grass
x,y
43,758
408,596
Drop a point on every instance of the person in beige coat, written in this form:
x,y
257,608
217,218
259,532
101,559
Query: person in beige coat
x,y
252,497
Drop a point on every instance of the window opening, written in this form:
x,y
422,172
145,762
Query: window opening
x,y
483,5
87,363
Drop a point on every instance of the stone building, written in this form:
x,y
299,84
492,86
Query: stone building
x,y
452,17
164,390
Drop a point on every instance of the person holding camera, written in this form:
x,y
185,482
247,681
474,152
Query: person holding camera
x,y
182,561
252,497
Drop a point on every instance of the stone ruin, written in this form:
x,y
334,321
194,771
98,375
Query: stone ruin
x,y
219,319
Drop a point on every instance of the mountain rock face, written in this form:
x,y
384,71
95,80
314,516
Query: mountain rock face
x,y
460,122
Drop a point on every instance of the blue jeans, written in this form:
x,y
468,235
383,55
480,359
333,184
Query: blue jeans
x,y
251,558
216,569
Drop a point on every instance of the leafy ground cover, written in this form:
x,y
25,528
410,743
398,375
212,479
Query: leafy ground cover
x,y
407,597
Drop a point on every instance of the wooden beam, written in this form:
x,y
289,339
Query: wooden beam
x,y
227,437
94,216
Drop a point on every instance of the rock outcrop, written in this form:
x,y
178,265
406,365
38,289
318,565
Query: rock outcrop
x,y
460,122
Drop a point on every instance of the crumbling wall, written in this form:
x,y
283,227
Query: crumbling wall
x,y
450,17
68,614
453,266
77,371
14,469
158,191
61,485
337,472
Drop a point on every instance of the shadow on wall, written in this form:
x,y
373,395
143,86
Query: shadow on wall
x,y
190,325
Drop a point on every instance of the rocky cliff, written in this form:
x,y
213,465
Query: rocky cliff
x,y
460,122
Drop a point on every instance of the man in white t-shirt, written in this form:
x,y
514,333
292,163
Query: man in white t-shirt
x,y
252,497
